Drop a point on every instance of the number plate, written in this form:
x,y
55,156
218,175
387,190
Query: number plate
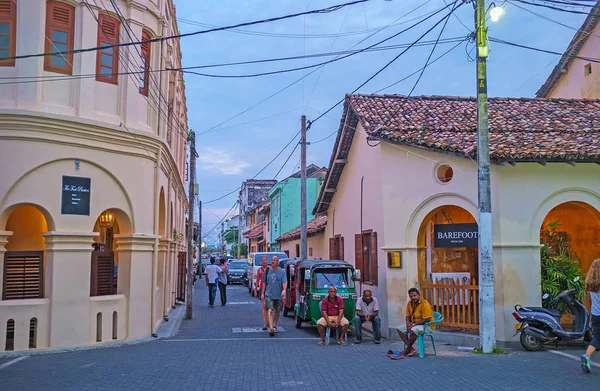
x,y
518,326
344,295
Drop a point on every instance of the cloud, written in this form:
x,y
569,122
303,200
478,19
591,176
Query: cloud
x,y
217,160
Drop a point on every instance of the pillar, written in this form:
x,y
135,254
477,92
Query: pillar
x,y
4,235
68,270
165,253
161,279
173,283
135,281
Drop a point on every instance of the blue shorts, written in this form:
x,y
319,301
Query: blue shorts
x,y
596,331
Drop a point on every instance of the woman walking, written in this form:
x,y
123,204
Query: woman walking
x,y
592,285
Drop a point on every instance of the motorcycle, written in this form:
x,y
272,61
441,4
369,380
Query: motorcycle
x,y
540,326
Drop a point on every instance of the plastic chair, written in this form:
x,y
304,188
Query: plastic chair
x,y
437,318
338,330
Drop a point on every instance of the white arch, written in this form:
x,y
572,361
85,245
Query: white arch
x,y
431,203
577,194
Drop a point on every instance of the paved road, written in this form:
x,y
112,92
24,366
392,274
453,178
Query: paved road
x,y
208,354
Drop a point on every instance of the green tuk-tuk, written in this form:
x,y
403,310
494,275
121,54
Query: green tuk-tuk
x,y
313,279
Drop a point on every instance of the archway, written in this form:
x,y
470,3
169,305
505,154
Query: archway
x,y
105,264
577,227
452,260
24,261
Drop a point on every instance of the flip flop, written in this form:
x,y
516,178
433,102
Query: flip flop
x,y
321,343
389,353
271,333
412,353
275,329
342,343
396,356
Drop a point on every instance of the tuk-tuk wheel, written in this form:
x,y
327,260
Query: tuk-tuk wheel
x,y
298,321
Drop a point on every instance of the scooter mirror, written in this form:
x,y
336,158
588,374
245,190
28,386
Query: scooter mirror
x,y
576,279
545,296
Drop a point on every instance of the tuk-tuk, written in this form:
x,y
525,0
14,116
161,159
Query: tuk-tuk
x,y
313,279
290,292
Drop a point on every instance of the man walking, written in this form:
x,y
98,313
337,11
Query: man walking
x,y
275,284
367,310
223,281
260,288
212,278
418,312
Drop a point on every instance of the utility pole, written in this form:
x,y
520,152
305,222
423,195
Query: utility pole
x,y
487,316
223,237
190,232
303,233
239,230
199,237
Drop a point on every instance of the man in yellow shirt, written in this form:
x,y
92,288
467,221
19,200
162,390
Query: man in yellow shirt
x,y
418,312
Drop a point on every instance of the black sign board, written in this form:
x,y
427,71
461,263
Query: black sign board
x,y
76,195
455,235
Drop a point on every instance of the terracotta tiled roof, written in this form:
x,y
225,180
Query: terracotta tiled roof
x,y
255,232
520,129
579,39
313,228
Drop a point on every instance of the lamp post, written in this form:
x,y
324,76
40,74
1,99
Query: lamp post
x,y
487,315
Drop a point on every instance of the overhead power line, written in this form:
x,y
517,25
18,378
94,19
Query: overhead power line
x,y
557,8
159,39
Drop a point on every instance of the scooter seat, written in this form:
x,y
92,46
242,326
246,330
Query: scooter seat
x,y
550,311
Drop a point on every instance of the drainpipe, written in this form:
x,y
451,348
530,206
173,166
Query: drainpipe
x,y
156,243
362,238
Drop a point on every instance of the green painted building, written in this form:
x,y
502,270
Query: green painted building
x,y
285,202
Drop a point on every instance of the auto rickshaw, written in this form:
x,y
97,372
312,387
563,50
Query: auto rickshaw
x,y
290,292
313,279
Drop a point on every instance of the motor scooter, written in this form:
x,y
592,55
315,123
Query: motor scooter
x,y
541,326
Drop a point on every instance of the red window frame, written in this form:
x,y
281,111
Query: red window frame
x,y
145,75
108,34
60,18
8,14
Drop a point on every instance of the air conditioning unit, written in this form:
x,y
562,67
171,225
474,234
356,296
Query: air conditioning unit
x,y
451,296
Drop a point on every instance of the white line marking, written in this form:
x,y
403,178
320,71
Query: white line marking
x,y
234,339
572,357
16,360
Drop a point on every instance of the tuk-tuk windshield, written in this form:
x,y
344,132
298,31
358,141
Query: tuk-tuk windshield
x,y
338,277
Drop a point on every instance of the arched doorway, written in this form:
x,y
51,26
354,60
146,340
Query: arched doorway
x,y
24,261
438,262
105,264
576,226
448,265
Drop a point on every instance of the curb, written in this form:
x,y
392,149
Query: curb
x,y
177,314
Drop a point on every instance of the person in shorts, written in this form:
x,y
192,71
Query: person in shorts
x,y
275,284
332,309
592,285
260,288
418,312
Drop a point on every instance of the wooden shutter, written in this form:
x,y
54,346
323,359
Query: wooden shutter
x,y
23,275
341,248
61,17
181,275
8,14
332,253
145,77
374,265
108,34
358,253
102,276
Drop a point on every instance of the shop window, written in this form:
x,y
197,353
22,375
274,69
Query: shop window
x,y
60,23
107,59
145,74
8,32
23,275
444,173
102,276
365,252
336,248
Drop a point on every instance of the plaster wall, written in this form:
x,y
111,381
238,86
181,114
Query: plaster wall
x,y
318,243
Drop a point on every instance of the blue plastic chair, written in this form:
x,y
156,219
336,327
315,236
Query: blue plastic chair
x,y
437,318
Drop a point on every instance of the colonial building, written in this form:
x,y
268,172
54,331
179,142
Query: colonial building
x,y
253,194
93,152
400,198
317,246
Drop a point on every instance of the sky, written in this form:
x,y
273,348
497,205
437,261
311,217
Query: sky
x,y
235,140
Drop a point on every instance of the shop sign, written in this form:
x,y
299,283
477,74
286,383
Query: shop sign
x,y
455,235
76,195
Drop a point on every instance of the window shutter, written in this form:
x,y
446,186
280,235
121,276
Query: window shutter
x,y
60,17
102,273
332,248
374,264
358,252
8,14
145,76
23,275
6,7
107,60
341,248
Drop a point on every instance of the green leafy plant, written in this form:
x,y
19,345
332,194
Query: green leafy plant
x,y
177,235
560,266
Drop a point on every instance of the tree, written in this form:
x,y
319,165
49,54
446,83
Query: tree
x,y
231,235
244,251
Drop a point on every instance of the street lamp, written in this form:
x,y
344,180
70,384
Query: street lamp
x,y
496,12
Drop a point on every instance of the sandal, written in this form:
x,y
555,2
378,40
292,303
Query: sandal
x,y
275,329
271,333
412,353
321,343
342,343
396,356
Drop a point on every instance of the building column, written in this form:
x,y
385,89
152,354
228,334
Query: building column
x,y
4,235
135,281
162,278
67,285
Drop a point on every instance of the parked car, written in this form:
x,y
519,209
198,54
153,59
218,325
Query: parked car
x,y
254,259
236,272
246,275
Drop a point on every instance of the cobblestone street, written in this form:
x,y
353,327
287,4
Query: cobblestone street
x,y
220,349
